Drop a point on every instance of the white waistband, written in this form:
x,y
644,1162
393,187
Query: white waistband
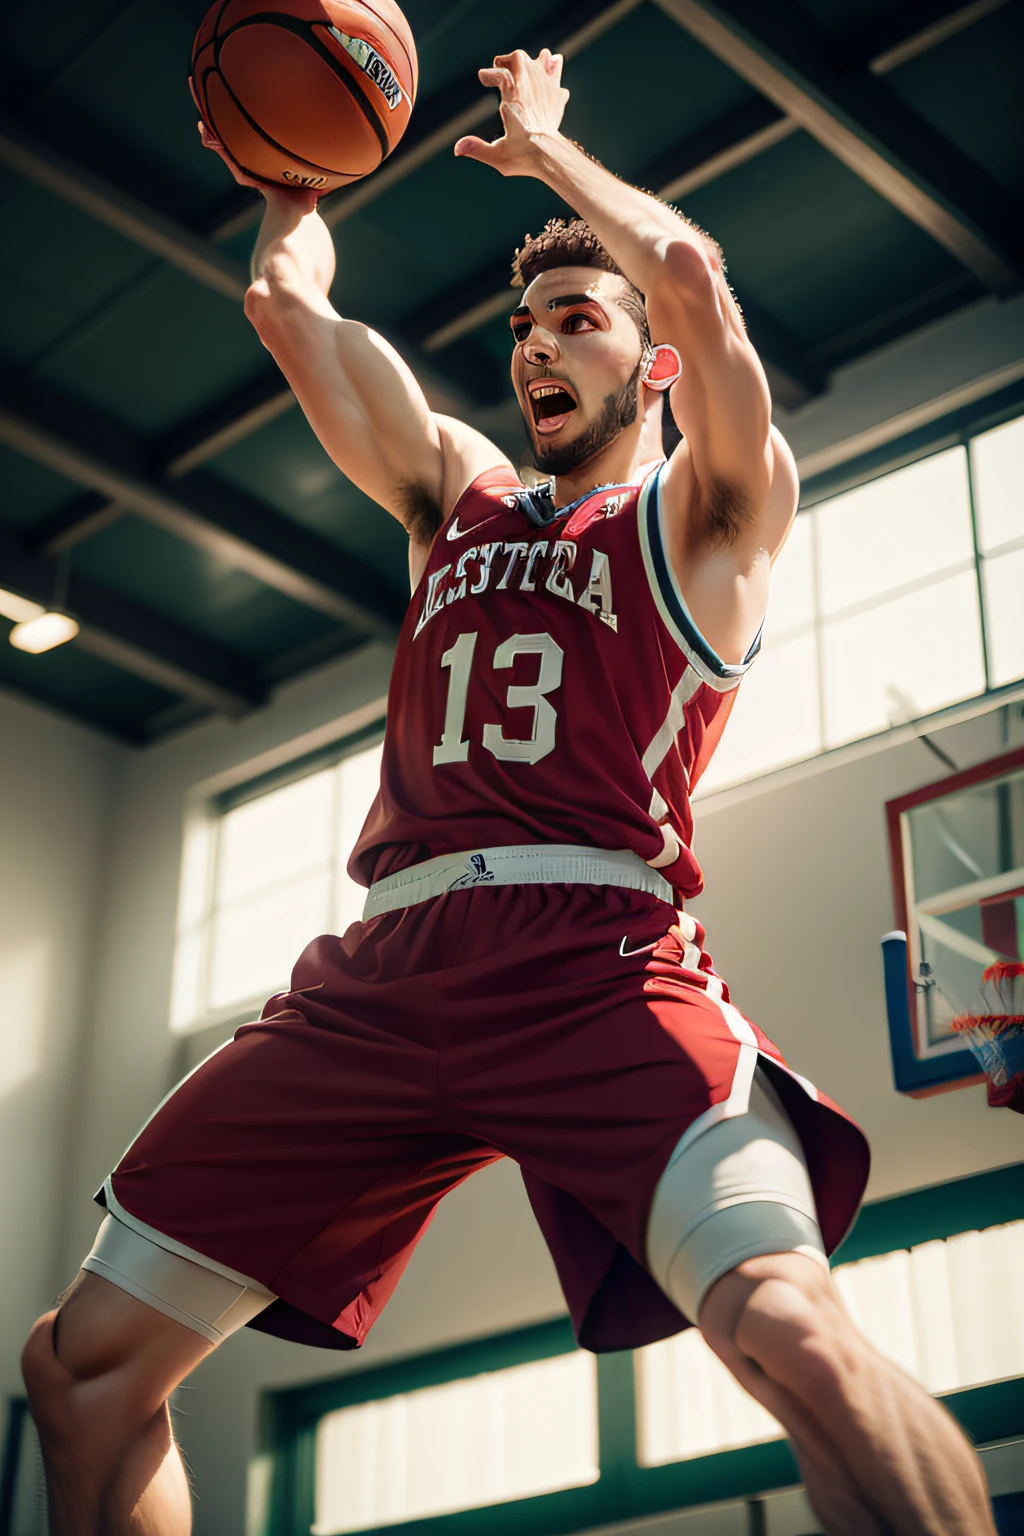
x,y
528,864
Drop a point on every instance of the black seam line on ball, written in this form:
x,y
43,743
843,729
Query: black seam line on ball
x,y
265,136
305,30
213,35
355,85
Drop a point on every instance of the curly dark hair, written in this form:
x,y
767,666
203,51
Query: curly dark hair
x,y
561,243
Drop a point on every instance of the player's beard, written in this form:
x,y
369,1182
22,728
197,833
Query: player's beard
x,y
619,411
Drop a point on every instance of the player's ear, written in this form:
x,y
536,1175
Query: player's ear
x,y
664,368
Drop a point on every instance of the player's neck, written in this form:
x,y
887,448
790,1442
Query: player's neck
x,y
617,464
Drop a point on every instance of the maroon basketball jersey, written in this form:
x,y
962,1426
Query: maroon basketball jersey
x,y
549,686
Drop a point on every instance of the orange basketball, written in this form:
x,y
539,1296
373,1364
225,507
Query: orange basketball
x,y
310,93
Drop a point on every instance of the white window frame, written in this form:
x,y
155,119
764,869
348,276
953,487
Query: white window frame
x,y
991,697
204,809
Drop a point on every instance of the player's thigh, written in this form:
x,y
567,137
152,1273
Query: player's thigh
x,y
101,1328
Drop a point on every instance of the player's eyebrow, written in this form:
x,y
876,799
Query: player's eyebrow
x,y
564,300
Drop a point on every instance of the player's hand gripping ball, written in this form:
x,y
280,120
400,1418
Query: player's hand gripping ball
x,y
305,93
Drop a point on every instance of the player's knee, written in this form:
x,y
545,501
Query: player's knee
x,y
48,1382
84,1366
799,1337
780,1313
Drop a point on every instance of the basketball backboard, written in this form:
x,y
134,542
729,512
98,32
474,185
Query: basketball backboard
x,y
957,850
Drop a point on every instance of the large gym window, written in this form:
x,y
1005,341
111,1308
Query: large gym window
x,y
522,1432
263,873
891,602
499,1436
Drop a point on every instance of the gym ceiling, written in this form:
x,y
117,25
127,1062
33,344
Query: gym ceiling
x,y
861,162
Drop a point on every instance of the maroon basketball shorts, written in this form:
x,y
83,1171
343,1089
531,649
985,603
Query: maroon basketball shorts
x,y
577,1029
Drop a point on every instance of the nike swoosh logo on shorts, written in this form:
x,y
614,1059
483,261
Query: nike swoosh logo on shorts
x,y
643,950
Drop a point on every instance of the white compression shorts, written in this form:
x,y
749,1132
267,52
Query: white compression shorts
x,y
739,1190
197,1292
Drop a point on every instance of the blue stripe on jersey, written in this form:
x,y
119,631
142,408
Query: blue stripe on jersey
x,y
719,674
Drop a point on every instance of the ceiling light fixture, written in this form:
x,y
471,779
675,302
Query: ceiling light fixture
x,y
43,633
18,609
36,629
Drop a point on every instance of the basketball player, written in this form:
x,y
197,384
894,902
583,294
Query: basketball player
x,y
526,980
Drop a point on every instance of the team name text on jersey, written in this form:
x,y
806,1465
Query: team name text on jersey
x,y
542,566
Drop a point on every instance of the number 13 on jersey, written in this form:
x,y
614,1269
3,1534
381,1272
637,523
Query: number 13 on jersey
x,y
458,660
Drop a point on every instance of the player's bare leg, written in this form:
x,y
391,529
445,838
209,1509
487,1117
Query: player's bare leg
x,y
98,1385
878,1454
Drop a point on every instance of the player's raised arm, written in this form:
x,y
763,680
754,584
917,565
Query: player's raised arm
x,y
730,490
360,397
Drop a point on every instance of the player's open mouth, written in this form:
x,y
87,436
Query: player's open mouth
x,y
552,404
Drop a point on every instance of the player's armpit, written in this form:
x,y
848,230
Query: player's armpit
x,y
466,454
721,548
369,411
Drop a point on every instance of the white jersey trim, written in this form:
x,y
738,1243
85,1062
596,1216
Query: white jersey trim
x,y
720,675
667,732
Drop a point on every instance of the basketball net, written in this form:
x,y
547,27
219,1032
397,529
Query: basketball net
x,y
997,1036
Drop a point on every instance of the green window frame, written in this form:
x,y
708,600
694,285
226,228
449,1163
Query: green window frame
x,y
625,1490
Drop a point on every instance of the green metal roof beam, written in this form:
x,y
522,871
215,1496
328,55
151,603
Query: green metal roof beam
x,y
781,52
220,427
74,522
148,228
227,523
135,638
723,145
793,376
214,431
912,29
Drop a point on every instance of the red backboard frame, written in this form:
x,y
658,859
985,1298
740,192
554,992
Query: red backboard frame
x,y
992,768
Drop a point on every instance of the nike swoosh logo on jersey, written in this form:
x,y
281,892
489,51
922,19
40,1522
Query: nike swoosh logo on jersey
x,y
455,532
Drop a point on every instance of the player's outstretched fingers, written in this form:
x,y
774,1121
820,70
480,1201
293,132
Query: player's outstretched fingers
x,y
498,79
472,148
513,61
